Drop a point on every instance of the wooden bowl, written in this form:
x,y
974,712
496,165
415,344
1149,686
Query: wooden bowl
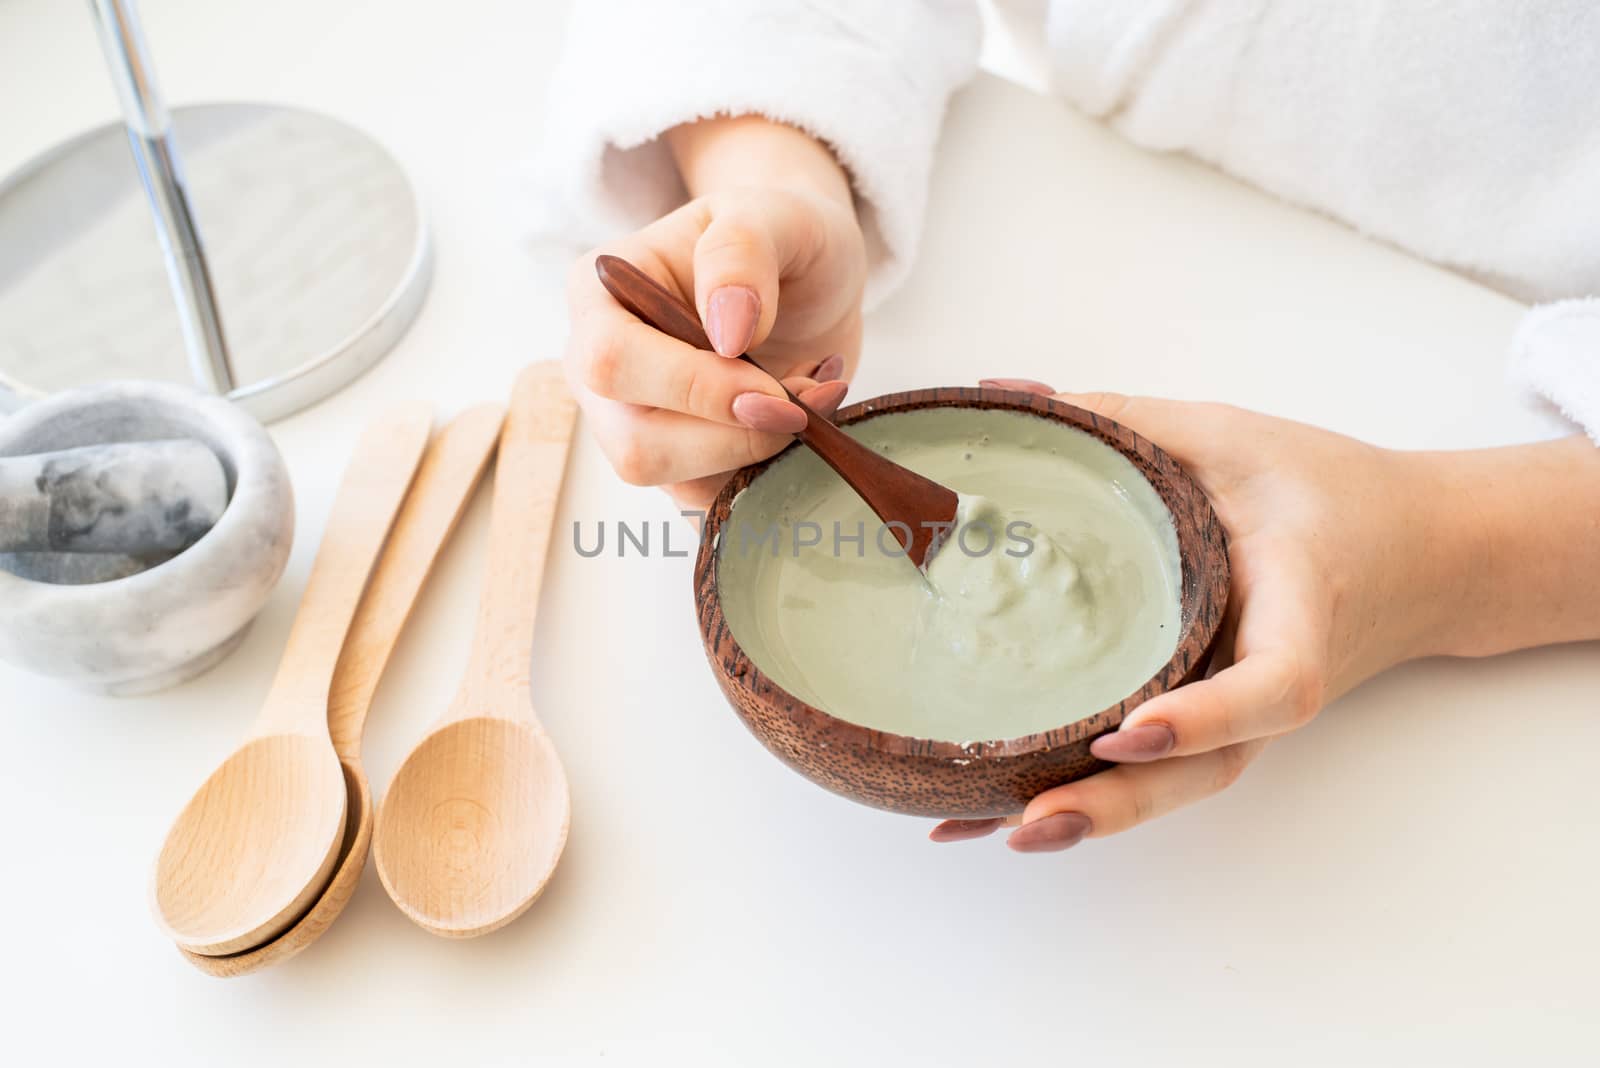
x,y
949,780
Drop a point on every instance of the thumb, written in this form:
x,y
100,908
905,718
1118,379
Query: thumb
x,y
737,262
1162,421
1143,415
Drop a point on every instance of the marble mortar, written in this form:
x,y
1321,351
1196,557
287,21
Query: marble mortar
x,y
128,625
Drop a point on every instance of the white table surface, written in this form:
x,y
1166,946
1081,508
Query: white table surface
x,y
1408,880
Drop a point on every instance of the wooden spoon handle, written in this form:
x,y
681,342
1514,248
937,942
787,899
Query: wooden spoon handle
x,y
653,303
527,487
918,510
374,484
451,468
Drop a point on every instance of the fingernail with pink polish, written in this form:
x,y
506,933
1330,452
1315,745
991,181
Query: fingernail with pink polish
x,y
961,830
1135,745
830,369
1021,385
1051,834
825,399
770,415
731,316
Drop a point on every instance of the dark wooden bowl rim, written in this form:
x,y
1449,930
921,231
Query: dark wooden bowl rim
x,y
1202,547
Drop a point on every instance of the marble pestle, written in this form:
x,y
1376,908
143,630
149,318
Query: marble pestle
x,y
137,498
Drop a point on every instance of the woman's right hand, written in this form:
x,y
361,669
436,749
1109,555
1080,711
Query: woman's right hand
x,y
774,269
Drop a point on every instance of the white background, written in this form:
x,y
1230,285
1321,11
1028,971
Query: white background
x,y
1409,880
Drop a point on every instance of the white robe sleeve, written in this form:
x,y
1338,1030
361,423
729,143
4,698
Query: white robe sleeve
x,y
1555,354
868,78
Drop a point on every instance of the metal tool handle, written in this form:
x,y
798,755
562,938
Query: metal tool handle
x,y
161,175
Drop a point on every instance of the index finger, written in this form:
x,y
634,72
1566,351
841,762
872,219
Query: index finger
x,y
620,358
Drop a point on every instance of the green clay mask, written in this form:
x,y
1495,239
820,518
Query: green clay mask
x,y
1055,597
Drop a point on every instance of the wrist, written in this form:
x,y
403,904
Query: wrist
x,y
1513,547
729,152
1446,552
1393,594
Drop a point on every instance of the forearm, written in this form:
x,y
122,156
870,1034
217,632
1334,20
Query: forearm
x,y
1517,532
748,150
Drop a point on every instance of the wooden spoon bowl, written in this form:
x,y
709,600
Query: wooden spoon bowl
x,y
477,817
974,780
236,823
350,860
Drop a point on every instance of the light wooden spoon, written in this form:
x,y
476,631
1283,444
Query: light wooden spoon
x,y
257,842
451,468
475,820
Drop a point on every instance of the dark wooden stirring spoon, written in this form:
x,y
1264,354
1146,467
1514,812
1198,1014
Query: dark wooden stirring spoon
x,y
919,511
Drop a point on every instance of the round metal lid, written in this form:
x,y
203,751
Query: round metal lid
x,y
315,240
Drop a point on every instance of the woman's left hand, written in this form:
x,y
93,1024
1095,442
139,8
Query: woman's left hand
x,y
1333,562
